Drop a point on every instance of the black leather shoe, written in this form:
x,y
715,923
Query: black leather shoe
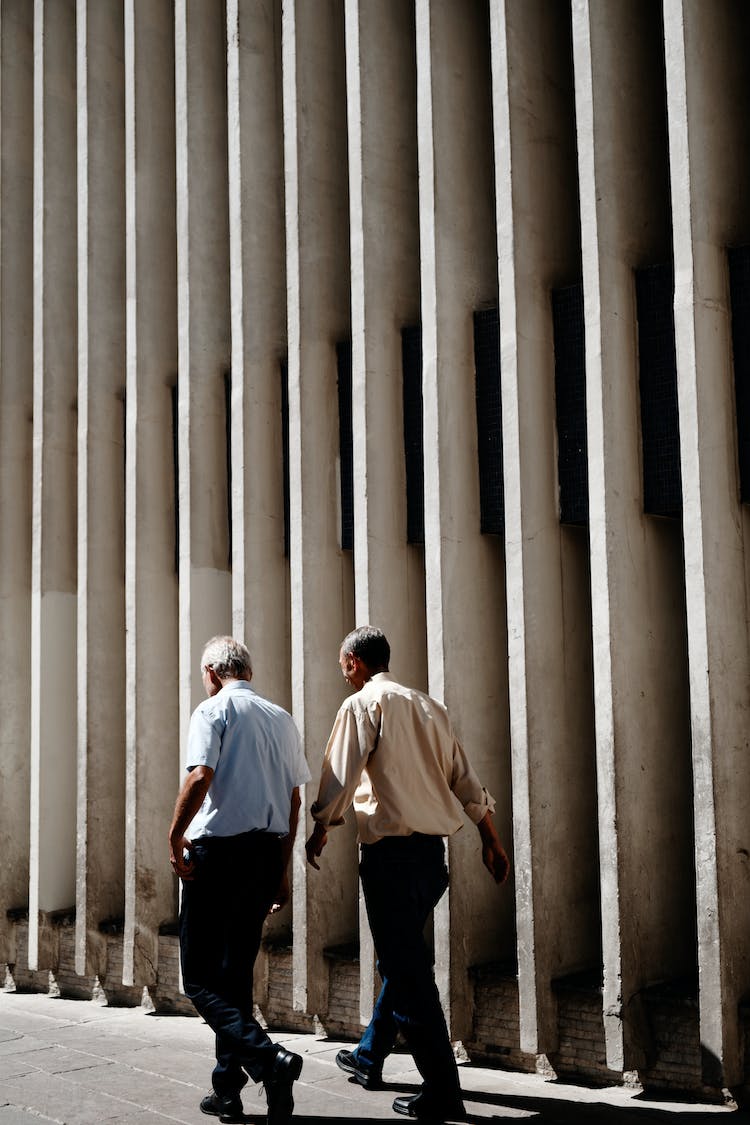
x,y
227,1107
366,1076
426,1107
285,1071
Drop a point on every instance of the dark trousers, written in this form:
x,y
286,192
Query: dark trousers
x,y
221,920
403,878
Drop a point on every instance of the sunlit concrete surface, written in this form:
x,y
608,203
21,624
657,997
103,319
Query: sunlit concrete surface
x,y
79,1063
320,312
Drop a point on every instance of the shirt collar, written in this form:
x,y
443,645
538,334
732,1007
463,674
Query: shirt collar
x,y
378,678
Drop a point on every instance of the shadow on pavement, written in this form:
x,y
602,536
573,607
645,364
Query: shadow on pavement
x,y
552,1111
543,1115
545,1112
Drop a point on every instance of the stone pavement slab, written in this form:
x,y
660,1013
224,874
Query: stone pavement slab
x,y
75,1062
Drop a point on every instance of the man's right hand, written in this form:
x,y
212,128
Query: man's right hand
x,y
181,857
494,856
314,846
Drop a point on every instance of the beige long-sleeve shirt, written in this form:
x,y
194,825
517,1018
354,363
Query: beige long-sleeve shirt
x,y
393,753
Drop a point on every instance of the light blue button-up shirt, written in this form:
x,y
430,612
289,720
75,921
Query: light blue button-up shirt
x,y
254,748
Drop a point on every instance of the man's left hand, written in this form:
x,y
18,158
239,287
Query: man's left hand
x,y
314,846
494,857
495,860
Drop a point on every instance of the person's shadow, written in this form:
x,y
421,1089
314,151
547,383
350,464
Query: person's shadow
x,y
545,1111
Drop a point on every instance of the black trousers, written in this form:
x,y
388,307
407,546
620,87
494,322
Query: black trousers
x,y
221,921
403,878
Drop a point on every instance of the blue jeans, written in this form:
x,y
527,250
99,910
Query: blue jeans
x,y
221,920
403,877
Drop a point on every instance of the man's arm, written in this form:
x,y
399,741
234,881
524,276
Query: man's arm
x,y
479,805
494,856
348,749
189,800
287,844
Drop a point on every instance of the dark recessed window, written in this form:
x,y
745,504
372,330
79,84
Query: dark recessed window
x,y
570,403
344,367
176,476
739,289
489,421
657,365
228,439
411,357
284,367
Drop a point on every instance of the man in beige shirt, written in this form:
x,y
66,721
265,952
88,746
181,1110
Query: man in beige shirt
x,y
394,755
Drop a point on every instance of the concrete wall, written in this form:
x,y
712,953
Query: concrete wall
x,y
200,204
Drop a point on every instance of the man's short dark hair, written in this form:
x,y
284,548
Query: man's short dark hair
x,y
369,645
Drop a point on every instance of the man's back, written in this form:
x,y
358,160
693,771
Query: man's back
x,y
411,765
254,749
394,753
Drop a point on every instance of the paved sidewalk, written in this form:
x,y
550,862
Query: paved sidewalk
x,y
77,1063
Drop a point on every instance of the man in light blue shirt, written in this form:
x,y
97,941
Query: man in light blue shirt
x,y
230,842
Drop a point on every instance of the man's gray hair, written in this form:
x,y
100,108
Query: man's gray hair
x,y
228,657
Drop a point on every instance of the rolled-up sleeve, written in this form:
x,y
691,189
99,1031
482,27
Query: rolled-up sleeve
x,y
352,740
476,800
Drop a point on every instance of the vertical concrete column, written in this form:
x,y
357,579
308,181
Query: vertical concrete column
x,y
466,630
100,874
53,583
260,572
640,676
16,395
318,304
203,336
549,645
707,100
383,204
152,714
384,223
